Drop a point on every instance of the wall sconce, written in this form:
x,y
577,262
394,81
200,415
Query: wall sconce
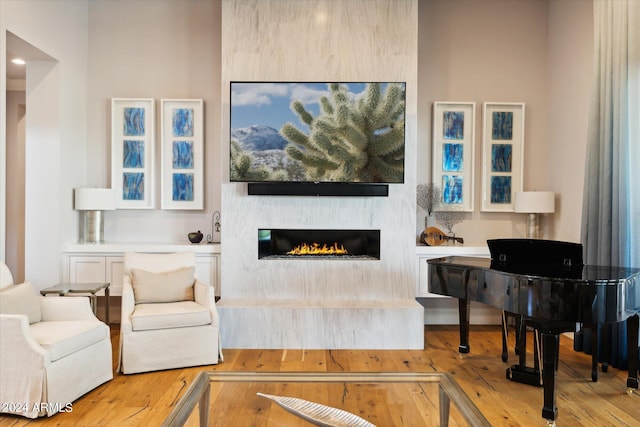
x,y
534,203
91,202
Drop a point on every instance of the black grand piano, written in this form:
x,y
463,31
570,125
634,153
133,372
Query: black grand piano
x,y
546,283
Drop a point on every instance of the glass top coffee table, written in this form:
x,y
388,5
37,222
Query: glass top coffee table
x,y
380,399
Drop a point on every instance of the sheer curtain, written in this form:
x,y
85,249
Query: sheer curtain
x,y
611,206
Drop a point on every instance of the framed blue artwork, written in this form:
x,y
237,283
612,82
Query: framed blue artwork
x,y
502,154
453,153
182,182
132,152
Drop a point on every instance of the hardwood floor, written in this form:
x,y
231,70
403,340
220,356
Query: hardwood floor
x,y
145,399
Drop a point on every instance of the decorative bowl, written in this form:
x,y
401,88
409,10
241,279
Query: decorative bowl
x,y
195,237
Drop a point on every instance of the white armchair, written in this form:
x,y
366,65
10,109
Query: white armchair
x,y
169,317
53,350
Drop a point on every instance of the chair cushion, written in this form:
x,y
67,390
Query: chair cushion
x,y
65,337
170,286
169,315
21,299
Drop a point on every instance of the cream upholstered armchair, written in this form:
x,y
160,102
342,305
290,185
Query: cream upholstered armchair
x,y
52,351
169,317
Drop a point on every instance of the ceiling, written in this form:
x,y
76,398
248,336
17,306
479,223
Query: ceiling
x,y
15,72
18,48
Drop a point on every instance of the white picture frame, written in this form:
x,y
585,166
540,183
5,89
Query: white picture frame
x,y
454,133
133,152
502,154
182,154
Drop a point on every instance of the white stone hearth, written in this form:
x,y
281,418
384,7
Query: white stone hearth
x,y
321,324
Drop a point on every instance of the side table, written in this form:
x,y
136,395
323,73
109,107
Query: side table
x,y
76,289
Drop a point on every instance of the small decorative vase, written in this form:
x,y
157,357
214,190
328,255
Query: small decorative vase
x,y
195,237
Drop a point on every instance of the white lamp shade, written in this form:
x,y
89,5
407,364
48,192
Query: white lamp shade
x,y
534,202
94,199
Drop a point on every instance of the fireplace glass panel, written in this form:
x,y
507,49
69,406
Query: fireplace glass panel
x,y
318,244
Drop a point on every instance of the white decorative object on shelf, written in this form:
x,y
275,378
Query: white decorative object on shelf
x,y
534,203
317,414
91,202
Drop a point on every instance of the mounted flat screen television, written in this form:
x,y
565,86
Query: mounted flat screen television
x,y
317,133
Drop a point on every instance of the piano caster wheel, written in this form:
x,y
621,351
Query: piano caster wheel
x,y
551,423
630,391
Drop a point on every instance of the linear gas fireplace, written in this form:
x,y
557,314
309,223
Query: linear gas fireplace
x,y
318,244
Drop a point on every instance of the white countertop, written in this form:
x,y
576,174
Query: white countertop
x,y
452,250
111,247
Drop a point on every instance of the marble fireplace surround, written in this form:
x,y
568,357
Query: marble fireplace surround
x,y
328,304
311,303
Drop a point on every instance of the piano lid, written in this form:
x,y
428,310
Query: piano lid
x,y
581,273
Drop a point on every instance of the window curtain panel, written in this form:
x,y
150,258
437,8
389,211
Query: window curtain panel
x,y
610,230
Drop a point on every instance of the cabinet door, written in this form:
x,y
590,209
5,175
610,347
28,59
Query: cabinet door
x,y
423,278
114,272
207,270
86,269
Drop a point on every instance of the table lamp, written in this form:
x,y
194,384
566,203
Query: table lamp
x,y
534,203
91,202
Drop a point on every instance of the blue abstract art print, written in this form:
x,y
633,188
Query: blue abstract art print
x,y
453,125
183,122
182,155
133,120
452,191
182,186
452,157
501,157
502,128
501,189
132,154
133,186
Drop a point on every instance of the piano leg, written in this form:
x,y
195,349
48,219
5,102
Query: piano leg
x,y
632,349
595,334
550,348
505,334
463,312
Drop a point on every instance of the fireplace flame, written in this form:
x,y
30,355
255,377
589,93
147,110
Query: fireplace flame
x,y
316,249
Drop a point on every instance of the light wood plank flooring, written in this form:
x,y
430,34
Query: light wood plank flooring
x,y
145,399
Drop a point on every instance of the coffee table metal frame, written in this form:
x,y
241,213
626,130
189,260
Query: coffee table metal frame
x,y
199,391
69,289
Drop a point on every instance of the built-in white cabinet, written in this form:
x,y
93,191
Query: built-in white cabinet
x,y
104,262
94,269
443,310
424,253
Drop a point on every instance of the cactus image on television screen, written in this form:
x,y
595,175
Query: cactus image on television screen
x,y
317,132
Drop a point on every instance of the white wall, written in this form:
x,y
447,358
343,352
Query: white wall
x,y
163,49
56,126
529,51
570,64
485,51
15,133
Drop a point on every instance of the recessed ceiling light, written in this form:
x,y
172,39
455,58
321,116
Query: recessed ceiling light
x,y
18,61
